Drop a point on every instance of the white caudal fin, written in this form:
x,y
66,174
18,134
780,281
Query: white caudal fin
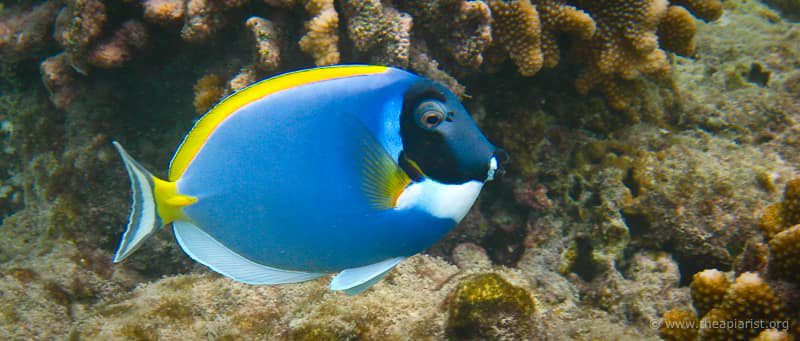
x,y
143,221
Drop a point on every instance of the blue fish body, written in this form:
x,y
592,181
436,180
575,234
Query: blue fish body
x,y
278,190
283,199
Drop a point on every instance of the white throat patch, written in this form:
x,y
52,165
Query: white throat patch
x,y
440,200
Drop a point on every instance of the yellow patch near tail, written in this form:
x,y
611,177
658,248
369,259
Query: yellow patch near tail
x,y
169,202
384,180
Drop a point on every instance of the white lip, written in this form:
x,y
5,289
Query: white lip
x,y
492,168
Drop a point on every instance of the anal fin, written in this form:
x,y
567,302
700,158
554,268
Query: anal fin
x,y
356,280
208,251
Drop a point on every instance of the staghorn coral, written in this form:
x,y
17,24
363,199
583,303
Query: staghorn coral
x,y
265,35
748,306
624,47
751,298
676,31
559,17
25,33
778,216
708,289
461,27
679,325
772,335
164,12
381,32
322,37
119,48
785,254
708,10
207,91
61,80
79,24
518,31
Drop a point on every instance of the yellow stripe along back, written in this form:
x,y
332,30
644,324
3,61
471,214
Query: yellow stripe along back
x,y
210,121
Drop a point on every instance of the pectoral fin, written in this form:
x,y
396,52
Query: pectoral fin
x,y
383,179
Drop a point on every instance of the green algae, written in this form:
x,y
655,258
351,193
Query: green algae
x,y
487,306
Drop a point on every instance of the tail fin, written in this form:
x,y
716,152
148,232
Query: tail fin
x,y
144,220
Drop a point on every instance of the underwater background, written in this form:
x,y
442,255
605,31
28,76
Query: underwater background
x,y
652,191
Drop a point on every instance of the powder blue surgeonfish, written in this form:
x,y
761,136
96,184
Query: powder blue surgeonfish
x,y
341,169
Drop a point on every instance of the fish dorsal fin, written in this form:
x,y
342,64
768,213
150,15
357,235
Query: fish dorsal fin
x,y
208,251
355,280
383,179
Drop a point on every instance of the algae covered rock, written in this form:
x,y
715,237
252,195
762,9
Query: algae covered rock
x,y
487,306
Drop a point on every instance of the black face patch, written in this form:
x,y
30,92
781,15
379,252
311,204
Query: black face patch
x,y
440,138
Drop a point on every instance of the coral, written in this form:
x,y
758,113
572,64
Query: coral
x,y
119,48
679,325
207,91
748,306
422,63
322,37
265,35
778,216
246,76
26,33
772,335
203,19
517,29
61,80
381,32
624,47
676,31
708,10
785,254
708,289
559,17
751,298
164,12
487,306
461,27
78,25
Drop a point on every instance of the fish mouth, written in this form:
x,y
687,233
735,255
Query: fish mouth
x,y
496,163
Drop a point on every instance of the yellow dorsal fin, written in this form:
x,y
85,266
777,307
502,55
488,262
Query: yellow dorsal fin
x,y
169,202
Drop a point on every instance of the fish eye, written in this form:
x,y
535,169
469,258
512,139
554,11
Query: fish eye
x,y
430,114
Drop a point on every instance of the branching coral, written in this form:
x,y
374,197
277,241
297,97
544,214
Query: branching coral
x,y
749,298
624,47
265,35
613,43
785,250
207,91
25,33
676,31
322,37
783,214
678,325
120,47
518,31
461,27
78,25
708,289
382,32
708,10
559,17
60,79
